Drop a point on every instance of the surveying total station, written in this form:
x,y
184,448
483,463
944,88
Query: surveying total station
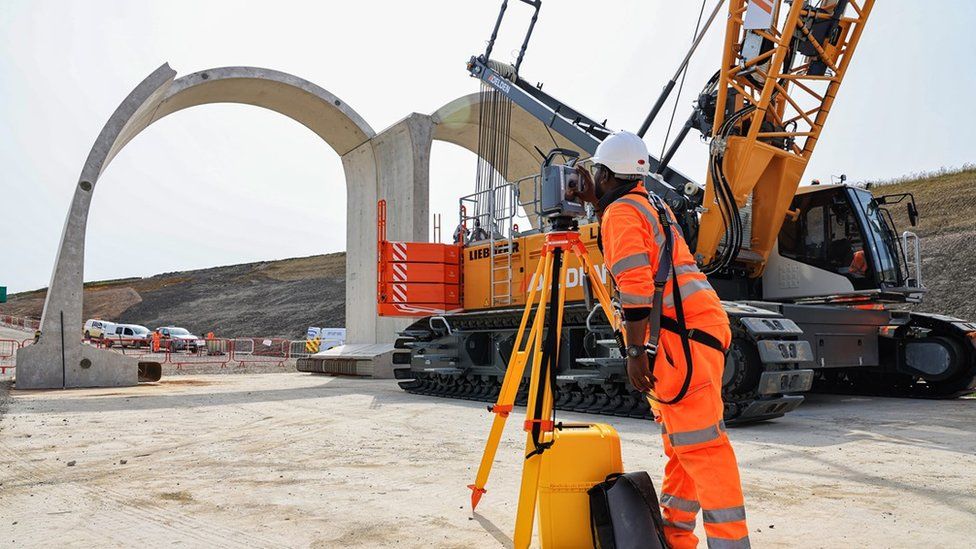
x,y
562,461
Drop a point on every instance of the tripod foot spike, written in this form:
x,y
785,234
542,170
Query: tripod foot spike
x,y
476,494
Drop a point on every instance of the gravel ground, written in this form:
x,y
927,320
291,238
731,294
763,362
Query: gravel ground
x,y
297,460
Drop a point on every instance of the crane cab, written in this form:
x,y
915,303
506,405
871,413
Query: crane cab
x,y
839,242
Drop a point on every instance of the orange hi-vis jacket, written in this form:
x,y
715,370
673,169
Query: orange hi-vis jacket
x,y
632,242
701,474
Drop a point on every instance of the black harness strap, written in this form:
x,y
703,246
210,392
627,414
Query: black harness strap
x,y
665,270
694,334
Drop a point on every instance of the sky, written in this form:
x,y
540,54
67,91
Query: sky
x,y
224,184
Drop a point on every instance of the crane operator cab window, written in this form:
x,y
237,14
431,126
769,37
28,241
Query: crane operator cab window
x,y
827,234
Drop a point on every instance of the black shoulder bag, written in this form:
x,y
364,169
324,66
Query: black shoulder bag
x,y
624,513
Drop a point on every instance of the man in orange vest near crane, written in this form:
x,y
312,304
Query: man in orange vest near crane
x,y
647,257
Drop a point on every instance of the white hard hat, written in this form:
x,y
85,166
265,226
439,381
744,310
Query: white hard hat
x,y
623,153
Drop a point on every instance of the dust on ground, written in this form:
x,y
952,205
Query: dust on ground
x,y
298,460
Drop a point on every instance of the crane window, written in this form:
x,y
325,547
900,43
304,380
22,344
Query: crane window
x,y
826,235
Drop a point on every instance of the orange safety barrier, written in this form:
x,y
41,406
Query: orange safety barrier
x,y
422,272
8,354
260,350
216,351
20,322
415,278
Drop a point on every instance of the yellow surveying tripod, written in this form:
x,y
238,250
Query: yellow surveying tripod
x,y
545,287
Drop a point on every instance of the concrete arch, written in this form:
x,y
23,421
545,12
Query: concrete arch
x,y
457,122
59,359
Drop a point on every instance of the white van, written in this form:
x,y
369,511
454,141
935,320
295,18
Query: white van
x,y
328,337
97,329
129,335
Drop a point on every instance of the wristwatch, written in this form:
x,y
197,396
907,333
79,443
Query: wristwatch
x,y
634,351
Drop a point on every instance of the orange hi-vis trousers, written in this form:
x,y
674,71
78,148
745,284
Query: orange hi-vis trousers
x,y
701,472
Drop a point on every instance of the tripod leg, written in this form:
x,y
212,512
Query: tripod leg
x,y
539,408
513,378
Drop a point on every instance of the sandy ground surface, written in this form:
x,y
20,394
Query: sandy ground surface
x,y
298,460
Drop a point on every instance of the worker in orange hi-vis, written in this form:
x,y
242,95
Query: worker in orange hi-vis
x,y
155,341
646,254
859,267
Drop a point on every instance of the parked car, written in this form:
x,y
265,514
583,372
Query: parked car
x,y
175,338
97,329
129,335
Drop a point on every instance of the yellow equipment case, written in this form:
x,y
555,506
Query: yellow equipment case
x,y
581,456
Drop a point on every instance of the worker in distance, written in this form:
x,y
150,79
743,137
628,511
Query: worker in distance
x,y
647,256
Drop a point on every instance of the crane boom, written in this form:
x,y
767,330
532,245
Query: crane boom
x,y
779,76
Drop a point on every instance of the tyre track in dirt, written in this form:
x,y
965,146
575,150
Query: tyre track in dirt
x,y
126,521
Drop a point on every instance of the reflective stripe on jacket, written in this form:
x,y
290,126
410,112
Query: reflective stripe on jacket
x,y
632,242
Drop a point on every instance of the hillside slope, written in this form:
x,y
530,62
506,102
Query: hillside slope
x,y
272,298
947,227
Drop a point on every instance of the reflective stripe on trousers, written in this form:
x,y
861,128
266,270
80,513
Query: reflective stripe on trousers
x,y
686,526
722,543
729,514
681,504
687,438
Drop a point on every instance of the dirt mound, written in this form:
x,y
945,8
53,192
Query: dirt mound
x,y
268,299
947,226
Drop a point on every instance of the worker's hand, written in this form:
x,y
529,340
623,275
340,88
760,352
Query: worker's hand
x,y
586,189
639,372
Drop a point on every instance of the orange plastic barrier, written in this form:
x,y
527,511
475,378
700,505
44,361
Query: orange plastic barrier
x,y
420,252
20,322
422,272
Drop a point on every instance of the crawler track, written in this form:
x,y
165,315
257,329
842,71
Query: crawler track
x,y
468,362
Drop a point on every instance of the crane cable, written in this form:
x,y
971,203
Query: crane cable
x,y
681,85
494,128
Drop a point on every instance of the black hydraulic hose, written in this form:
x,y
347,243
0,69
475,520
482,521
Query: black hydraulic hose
x,y
657,107
725,198
678,139
681,86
